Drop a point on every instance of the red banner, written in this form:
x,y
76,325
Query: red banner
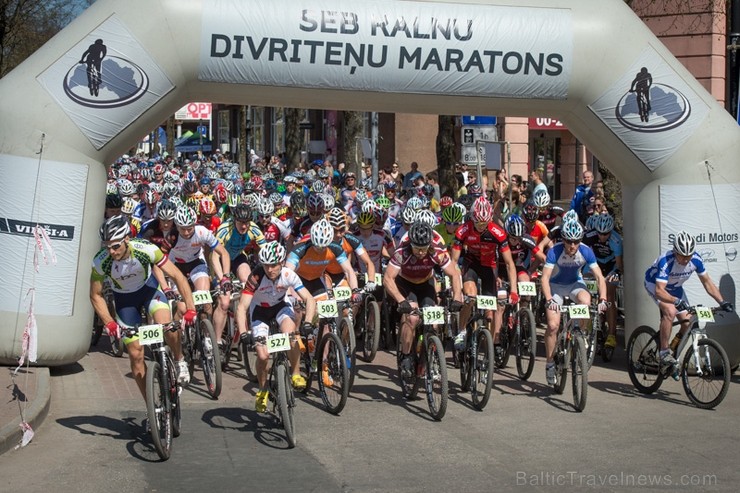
x,y
546,124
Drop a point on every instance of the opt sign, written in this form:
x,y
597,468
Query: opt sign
x,y
194,111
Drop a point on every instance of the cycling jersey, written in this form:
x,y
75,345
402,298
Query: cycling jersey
x,y
268,293
188,250
482,247
131,273
144,213
606,251
448,238
350,244
521,254
310,263
567,269
302,228
539,231
419,270
236,243
373,245
667,270
152,232
549,215
212,225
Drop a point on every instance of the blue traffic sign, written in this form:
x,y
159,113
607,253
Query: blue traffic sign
x,y
203,130
478,120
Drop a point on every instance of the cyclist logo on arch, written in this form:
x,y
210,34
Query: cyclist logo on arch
x,y
641,86
93,57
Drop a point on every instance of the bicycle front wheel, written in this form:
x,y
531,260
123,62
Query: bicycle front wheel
x,y
436,377
371,339
210,358
561,362
347,333
481,379
158,410
590,339
333,375
285,402
643,360
249,358
705,374
579,372
526,349
505,336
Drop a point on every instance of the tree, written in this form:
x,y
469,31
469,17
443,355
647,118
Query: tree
x,y
352,135
446,155
25,25
293,137
171,135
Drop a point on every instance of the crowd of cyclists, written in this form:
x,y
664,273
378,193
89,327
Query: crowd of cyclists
x,y
177,227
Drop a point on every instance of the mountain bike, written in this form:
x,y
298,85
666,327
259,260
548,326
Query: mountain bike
x,y
596,335
518,334
199,343
368,324
116,343
428,362
570,351
162,388
475,354
230,337
279,379
704,367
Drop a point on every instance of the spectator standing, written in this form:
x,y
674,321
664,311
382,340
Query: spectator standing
x,y
583,196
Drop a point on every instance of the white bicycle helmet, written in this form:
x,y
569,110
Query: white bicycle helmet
x,y
427,217
321,233
126,188
684,244
114,228
482,210
541,198
271,253
166,210
265,208
591,222
369,206
337,219
408,215
414,203
329,201
571,215
315,204
604,223
572,231
185,217
129,205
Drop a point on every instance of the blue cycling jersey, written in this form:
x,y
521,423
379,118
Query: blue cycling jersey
x,y
567,268
666,269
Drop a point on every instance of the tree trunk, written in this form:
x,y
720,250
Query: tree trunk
x,y
293,137
171,135
352,145
612,194
446,155
243,143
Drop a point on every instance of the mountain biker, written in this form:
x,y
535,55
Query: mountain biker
x,y
663,282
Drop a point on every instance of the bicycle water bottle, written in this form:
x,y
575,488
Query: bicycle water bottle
x,y
419,344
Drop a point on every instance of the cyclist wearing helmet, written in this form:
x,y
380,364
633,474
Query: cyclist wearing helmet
x,y
266,296
570,257
241,237
113,204
523,249
205,186
352,247
147,208
607,246
402,224
316,208
453,217
349,192
409,280
377,242
549,213
664,283
161,230
128,263
535,228
273,228
207,215
484,242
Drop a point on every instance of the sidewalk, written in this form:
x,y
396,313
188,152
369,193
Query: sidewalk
x,y
31,394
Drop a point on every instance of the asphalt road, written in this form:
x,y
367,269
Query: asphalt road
x,y
527,439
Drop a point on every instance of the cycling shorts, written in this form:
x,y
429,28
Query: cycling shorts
x,y
560,291
315,286
423,294
261,317
129,306
650,288
193,270
472,271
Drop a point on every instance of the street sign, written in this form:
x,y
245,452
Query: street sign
x,y
478,120
468,154
472,134
203,130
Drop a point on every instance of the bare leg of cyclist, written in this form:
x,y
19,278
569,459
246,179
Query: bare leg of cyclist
x,y
138,368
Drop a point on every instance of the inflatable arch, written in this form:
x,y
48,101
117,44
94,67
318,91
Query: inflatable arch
x,y
115,73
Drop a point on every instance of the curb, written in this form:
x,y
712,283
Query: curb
x,y
10,435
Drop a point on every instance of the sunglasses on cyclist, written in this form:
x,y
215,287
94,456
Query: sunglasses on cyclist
x,y
115,246
572,242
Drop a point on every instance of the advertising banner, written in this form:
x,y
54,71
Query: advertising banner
x,y
105,82
409,47
716,230
59,213
651,109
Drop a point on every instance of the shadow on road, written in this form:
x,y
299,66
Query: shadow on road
x,y
139,443
627,390
266,427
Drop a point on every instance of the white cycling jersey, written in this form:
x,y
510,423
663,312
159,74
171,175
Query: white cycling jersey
x,y
266,293
188,250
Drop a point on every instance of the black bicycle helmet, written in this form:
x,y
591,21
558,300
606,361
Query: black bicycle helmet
x,y
420,234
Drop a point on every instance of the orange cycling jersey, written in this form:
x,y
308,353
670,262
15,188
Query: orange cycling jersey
x,y
310,263
350,244
539,231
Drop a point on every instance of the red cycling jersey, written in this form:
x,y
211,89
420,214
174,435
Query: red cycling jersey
x,y
481,247
418,270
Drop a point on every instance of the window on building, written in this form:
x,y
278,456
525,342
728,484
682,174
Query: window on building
x,y
256,136
278,131
224,134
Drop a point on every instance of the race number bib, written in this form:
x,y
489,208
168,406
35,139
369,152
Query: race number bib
x,y
433,315
151,334
202,298
342,293
486,302
378,279
327,308
578,311
592,285
278,342
448,283
704,314
527,289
